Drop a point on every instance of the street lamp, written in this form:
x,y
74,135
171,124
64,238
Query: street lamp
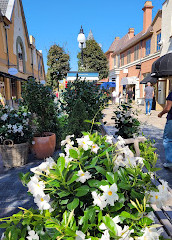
x,y
82,43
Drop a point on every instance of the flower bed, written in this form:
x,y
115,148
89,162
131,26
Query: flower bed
x,y
93,191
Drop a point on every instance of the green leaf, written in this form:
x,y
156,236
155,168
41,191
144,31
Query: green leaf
x,y
145,222
63,194
73,153
73,179
125,214
74,204
125,186
82,191
110,224
94,183
101,170
61,164
110,177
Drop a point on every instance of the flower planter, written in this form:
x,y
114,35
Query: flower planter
x,y
14,155
44,147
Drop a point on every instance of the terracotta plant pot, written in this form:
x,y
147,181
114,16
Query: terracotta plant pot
x,y
44,147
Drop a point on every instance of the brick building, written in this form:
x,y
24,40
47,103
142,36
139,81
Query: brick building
x,y
19,57
131,57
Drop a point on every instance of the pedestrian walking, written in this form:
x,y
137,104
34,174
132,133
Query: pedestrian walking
x,y
113,96
129,96
149,94
167,138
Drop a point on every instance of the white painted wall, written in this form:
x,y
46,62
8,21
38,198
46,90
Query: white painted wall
x,y
18,28
166,33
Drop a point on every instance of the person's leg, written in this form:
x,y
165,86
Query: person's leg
x,y
150,105
146,100
167,142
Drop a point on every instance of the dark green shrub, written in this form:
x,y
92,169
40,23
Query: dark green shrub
x,y
40,102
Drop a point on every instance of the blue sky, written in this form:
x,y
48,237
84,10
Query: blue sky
x,y
59,21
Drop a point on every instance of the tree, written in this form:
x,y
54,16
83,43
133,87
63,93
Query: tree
x,y
58,62
94,59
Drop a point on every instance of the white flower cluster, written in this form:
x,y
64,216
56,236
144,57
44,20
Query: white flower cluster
x,y
161,197
109,196
37,187
32,234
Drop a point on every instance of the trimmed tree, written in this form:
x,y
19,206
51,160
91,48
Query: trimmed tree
x,y
94,59
58,62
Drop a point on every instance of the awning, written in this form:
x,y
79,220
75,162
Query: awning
x,y
107,85
129,80
162,67
7,75
150,79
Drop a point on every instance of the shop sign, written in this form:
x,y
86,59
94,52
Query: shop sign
x,y
12,71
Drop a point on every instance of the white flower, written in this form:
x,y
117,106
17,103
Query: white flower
x,y
20,128
110,194
44,166
80,235
4,117
15,129
95,148
51,162
22,133
33,142
32,235
24,114
109,139
68,160
124,233
122,119
9,126
121,141
99,200
15,115
67,140
61,154
160,198
84,142
105,235
151,234
3,236
35,186
83,176
163,187
67,148
132,161
127,152
42,202
115,220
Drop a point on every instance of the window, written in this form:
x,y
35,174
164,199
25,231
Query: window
x,y
20,57
40,67
115,61
122,59
158,40
148,47
118,60
136,52
128,56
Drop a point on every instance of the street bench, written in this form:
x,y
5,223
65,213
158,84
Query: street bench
x,y
162,216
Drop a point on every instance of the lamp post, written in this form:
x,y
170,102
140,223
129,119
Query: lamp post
x,y
82,44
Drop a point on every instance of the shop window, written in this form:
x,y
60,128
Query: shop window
x,y
158,40
148,47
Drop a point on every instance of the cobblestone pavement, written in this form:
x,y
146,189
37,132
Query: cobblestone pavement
x,y
12,193
152,127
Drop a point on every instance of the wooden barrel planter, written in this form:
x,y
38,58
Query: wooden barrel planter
x,y
44,146
14,155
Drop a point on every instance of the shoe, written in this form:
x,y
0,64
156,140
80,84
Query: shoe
x,y
167,165
149,113
146,113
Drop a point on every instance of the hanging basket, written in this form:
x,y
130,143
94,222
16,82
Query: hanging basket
x,y
14,155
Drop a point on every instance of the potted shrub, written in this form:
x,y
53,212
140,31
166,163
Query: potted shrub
x,y
40,101
15,132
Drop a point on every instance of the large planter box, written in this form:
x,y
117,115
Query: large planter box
x,y
14,155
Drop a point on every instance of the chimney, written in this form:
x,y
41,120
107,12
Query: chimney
x,y
147,15
117,38
32,40
131,33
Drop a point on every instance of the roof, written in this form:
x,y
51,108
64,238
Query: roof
x,y
3,6
121,43
113,45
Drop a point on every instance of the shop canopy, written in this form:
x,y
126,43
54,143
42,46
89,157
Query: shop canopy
x,y
107,85
150,79
129,80
162,67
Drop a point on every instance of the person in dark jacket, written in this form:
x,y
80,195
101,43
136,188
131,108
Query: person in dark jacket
x,y
167,138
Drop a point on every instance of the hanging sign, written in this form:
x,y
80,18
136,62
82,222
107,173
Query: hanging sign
x,y
12,71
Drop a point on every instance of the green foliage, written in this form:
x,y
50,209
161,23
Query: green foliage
x,y
15,124
82,100
94,59
58,62
126,122
39,100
